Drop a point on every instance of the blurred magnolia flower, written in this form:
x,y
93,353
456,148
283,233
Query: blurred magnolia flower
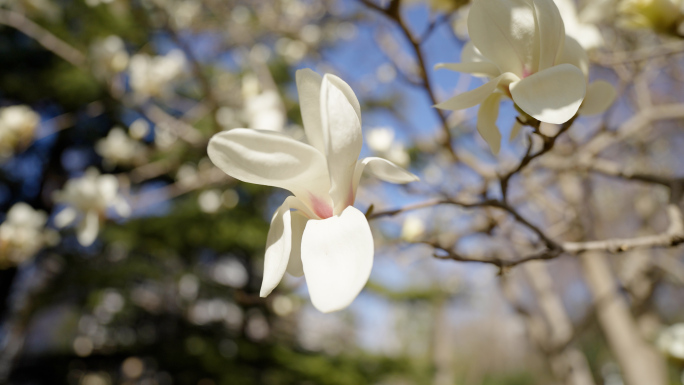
x,y
522,47
263,110
671,341
87,199
325,237
154,76
118,148
381,141
412,229
577,26
17,124
664,16
108,56
23,234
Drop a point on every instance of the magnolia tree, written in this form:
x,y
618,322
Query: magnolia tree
x,y
134,223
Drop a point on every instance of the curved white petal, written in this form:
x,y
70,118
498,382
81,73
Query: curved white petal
x,y
600,95
65,217
574,54
342,133
337,254
278,248
294,265
122,207
483,68
272,159
87,229
470,53
309,90
503,31
478,95
550,33
552,95
486,122
382,169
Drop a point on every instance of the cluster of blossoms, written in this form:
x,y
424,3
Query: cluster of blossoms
x,y
664,16
154,76
522,48
119,149
23,234
17,125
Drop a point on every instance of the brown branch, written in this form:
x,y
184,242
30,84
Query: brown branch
x,y
45,38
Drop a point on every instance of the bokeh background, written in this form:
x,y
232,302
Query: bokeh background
x,y
127,93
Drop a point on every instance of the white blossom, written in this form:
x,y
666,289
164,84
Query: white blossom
x,y
521,46
324,238
109,57
153,76
87,199
118,148
23,234
17,125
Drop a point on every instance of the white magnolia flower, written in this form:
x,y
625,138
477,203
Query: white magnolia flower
x,y
522,47
118,148
577,25
108,56
671,341
324,237
23,234
17,124
154,76
87,199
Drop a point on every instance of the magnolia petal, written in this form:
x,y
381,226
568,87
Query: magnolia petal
x,y
550,33
294,265
348,93
478,95
278,248
600,95
271,159
486,122
517,126
470,53
342,133
86,231
65,217
382,169
483,68
574,54
552,95
503,32
309,90
337,254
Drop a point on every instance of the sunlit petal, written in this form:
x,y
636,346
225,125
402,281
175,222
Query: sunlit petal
x,y
486,122
382,169
271,159
342,133
550,33
502,31
337,254
552,95
600,95
309,89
